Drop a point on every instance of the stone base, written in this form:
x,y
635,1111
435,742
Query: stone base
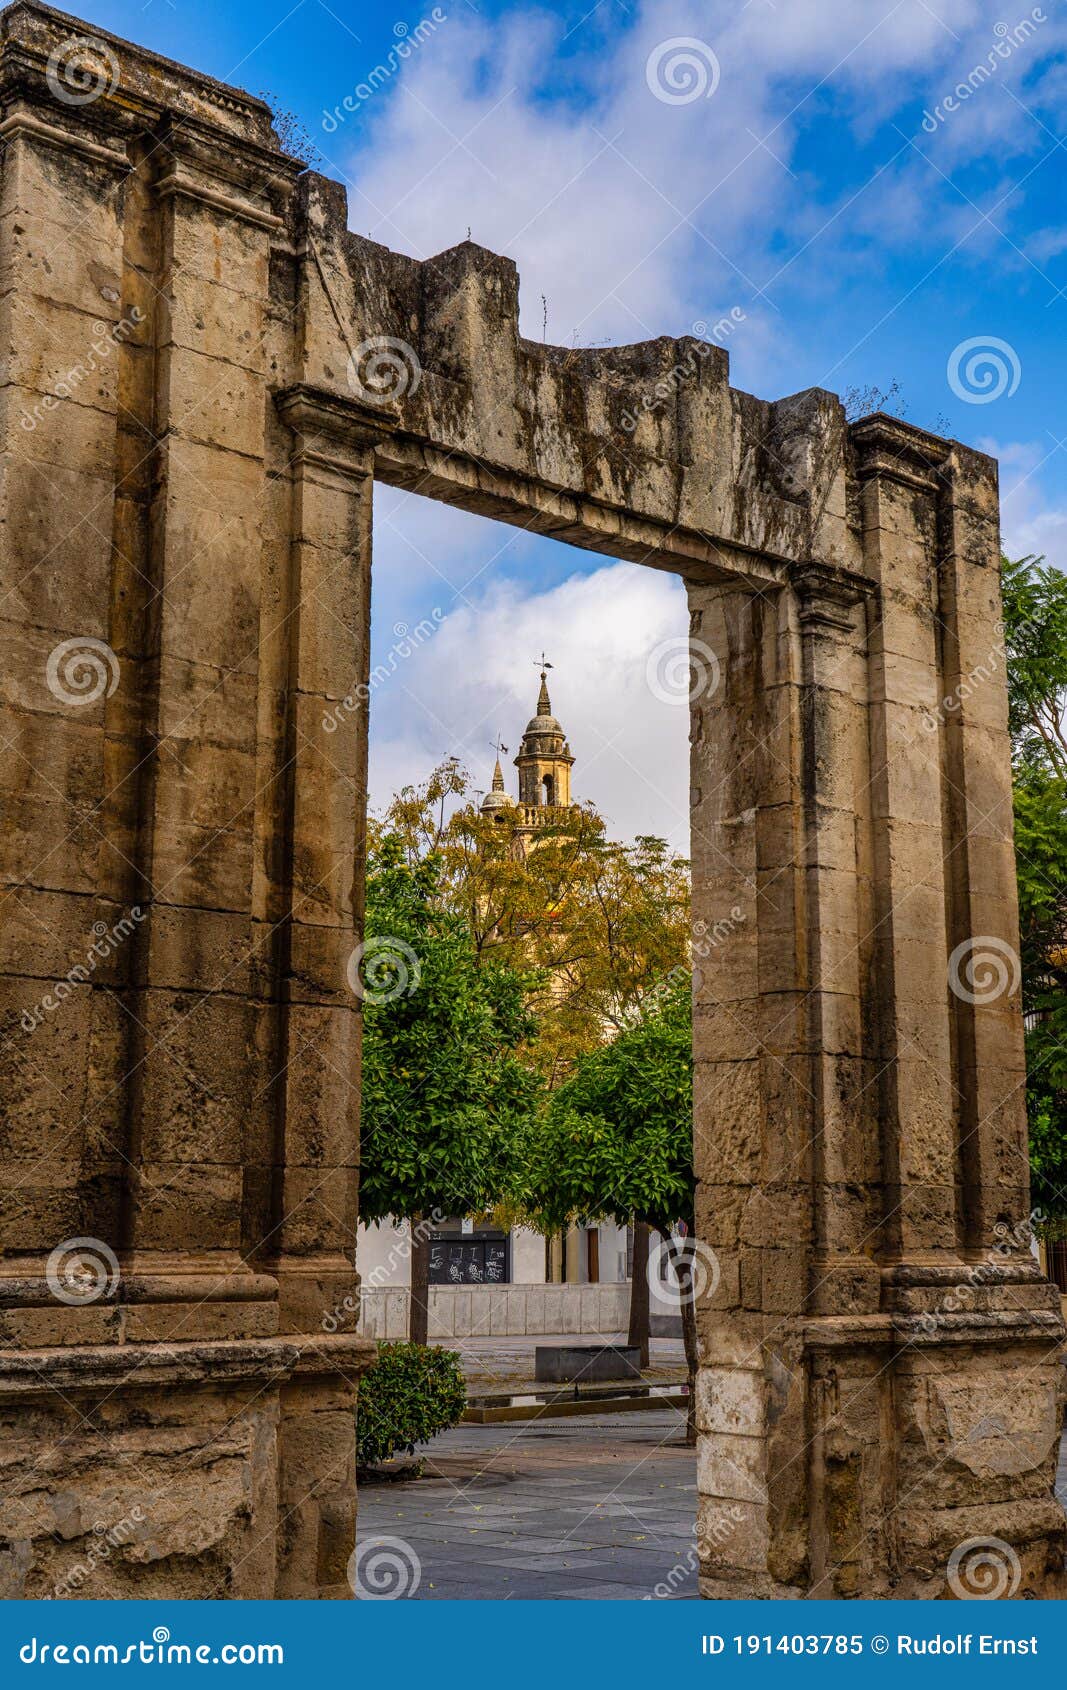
x,y
197,1470
902,1455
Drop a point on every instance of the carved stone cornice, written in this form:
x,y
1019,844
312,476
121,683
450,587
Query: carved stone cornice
x,y
106,1368
892,450
35,39
827,595
82,88
334,429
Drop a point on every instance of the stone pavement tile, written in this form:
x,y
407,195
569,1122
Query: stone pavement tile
x,y
600,1505
546,1563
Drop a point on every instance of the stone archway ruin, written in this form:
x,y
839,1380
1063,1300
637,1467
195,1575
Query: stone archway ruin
x,y
186,500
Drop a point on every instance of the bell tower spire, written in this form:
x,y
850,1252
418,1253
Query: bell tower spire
x,y
496,799
544,760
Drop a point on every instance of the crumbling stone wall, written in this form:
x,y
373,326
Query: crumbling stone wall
x,y
205,370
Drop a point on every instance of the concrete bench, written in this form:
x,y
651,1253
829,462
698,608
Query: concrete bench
x,y
586,1364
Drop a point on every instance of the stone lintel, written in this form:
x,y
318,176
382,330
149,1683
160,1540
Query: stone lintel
x,y
407,461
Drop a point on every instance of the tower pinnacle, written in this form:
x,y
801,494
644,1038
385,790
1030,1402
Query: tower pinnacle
x,y
544,759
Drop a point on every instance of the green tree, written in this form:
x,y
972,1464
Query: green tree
x,y
447,1098
1035,638
1035,634
616,1139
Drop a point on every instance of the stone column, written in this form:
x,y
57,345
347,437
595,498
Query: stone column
x,y
880,1377
310,1241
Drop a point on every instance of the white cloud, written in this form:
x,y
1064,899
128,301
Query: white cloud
x,y
1029,525
475,678
633,216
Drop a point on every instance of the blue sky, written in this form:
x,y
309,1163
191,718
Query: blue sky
x,y
806,163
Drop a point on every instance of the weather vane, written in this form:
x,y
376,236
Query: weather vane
x,y
499,747
543,664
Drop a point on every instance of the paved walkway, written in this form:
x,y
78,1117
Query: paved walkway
x,y
600,1508
597,1509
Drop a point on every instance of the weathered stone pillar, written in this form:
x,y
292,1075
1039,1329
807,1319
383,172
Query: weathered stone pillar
x,y
184,602
880,1380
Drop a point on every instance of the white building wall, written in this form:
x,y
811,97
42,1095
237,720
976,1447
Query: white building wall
x,y
524,1307
527,1257
383,1254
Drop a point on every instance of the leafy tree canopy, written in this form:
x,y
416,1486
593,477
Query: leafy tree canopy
x,y
616,1139
446,1094
1035,632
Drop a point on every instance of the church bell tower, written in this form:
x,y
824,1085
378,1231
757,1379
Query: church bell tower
x,y
544,760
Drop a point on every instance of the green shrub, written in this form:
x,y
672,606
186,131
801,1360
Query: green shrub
x,y
414,1392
